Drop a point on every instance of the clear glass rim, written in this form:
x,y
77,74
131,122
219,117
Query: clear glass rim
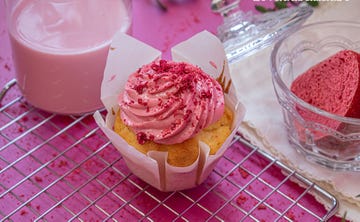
x,y
278,80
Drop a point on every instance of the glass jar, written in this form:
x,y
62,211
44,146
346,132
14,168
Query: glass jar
x,y
60,48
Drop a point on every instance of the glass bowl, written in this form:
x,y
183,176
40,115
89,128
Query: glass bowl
x,y
334,147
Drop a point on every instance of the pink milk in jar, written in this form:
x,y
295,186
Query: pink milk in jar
x,y
60,49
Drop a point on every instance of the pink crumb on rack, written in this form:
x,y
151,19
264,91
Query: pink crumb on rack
x,y
261,207
290,215
244,174
7,67
241,199
38,179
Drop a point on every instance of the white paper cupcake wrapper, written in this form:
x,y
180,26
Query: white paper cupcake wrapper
x,y
126,55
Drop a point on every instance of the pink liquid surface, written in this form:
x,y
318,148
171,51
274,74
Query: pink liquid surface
x,y
60,49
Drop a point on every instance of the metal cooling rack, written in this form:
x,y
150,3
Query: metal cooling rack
x,y
56,168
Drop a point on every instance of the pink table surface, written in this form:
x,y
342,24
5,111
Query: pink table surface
x,y
155,27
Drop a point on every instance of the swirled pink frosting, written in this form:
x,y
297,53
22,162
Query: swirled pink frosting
x,y
169,102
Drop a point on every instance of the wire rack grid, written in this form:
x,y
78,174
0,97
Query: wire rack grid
x,y
62,168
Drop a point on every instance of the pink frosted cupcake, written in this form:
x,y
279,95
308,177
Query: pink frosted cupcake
x,y
171,106
170,120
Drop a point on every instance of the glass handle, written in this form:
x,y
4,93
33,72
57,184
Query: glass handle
x,y
243,33
224,7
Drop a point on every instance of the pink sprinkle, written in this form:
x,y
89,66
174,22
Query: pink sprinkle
x,y
112,78
212,63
